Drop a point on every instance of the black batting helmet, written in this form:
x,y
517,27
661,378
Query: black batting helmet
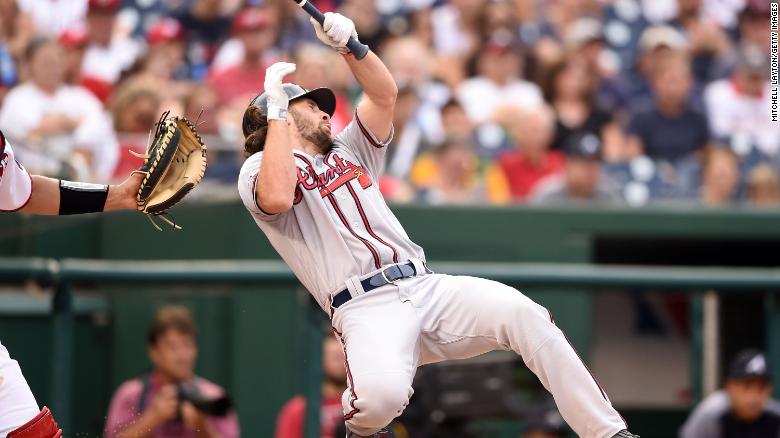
x,y
322,96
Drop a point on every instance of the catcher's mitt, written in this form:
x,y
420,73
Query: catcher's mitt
x,y
174,163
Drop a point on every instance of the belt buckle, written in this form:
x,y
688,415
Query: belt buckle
x,y
384,276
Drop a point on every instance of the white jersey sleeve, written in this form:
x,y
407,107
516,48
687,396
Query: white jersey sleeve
x,y
15,182
365,145
246,187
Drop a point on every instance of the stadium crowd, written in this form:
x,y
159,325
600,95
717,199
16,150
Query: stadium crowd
x,y
500,101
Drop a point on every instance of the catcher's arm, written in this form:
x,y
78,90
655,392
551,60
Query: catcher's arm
x,y
52,196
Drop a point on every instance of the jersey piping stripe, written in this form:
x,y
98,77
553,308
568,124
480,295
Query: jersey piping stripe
x,y
367,134
365,221
2,144
353,397
344,221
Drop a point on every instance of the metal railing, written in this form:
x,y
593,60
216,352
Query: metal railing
x,y
700,282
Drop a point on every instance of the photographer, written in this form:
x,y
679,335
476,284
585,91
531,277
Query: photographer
x,y
170,401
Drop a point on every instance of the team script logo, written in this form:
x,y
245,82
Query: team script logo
x,y
339,172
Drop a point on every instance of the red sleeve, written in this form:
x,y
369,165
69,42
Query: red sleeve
x,y
289,423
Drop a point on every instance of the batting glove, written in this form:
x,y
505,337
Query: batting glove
x,y
277,98
335,31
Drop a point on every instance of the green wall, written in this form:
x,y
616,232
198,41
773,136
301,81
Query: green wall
x,y
253,337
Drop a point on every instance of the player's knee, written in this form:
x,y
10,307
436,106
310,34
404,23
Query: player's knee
x,y
380,398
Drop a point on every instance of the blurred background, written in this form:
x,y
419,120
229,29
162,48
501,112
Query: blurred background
x,y
534,141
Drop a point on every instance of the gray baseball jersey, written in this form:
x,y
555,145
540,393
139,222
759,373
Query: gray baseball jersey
x,y
340,226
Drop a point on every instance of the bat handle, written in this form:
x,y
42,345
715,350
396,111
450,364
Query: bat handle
x,y
358,49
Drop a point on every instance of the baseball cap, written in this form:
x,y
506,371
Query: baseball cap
x,y
103,5
322,96
661,35
251,19
586,146
584,31
73,37
749,364
165,30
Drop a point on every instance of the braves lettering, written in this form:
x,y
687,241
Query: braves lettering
x,y
339,172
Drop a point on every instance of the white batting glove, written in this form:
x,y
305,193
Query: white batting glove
x,y
335,31
277,98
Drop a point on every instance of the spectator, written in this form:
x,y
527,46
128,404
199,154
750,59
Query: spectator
x,y
581,180
408,139
452,174
720,177
737,107
291,419
108,54
206,25
74,41
532,160
135,107
754,26
764,186
456,36
165,59
16,30
150,406
669,128
256,30
51,17
569,87
498,84
585,38
655,43
709,45
58,129
743,408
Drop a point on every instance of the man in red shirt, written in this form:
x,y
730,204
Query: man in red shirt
x,y
256,29
289,423
531,160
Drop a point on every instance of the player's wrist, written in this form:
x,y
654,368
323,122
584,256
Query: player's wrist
x,y
277,113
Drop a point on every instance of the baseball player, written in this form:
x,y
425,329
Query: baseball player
x,y
20,416
316,197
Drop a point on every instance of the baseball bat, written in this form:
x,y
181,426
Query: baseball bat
x,y
358,49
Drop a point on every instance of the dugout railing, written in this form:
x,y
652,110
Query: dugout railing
x,y
703,284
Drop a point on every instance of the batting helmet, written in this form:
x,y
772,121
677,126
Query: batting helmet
x,y
322,96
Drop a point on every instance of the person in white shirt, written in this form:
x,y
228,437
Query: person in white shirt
x,y
108,53
51,17
499,84
59,129
738,107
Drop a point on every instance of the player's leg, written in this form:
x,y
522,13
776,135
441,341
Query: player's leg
x,y
380,335
466,316
18,409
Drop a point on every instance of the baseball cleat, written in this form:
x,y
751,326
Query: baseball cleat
x,y
625,434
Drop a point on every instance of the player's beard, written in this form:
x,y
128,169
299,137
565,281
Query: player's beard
x,y
318,135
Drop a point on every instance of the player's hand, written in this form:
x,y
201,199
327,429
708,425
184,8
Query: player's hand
x,y
125,195
165,404
335,31
277,98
